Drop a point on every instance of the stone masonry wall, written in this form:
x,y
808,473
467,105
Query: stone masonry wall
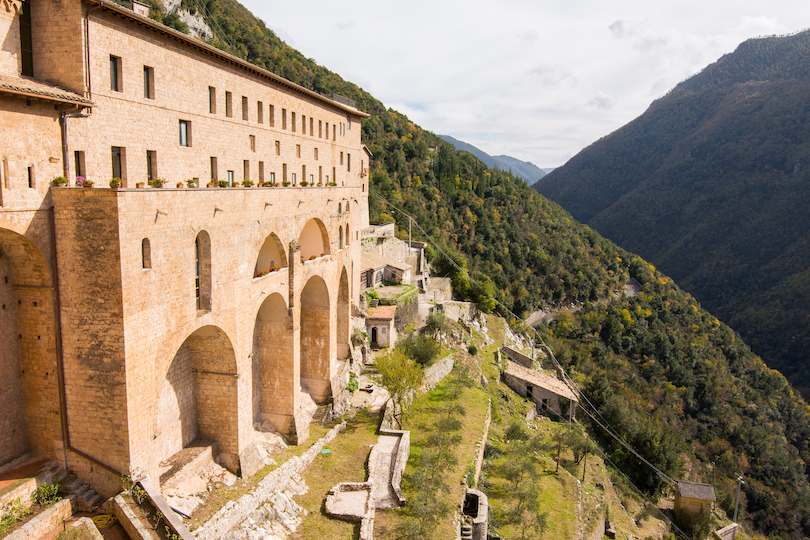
x,y
13,441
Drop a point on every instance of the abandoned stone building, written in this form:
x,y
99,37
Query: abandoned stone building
x,y
136,320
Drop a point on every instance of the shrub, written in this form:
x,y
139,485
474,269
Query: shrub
x,y
472,349
46,494
421,348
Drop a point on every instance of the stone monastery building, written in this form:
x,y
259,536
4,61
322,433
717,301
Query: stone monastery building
x,y
136,320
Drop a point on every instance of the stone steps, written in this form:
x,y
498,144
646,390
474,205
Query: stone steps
x,y
86,497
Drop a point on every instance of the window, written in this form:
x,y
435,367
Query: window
x,y
293,179
334,175
316,154
341,158
151,164
292,121
278,148
283,172
283,118
327,130
26,40
349,122
298,150
303,125
214,175
228,104
185,133
245,108
311,126
340,208
260,112
312,179
212,100
303,173
148,82
320,174
202,271
334,132
272,178
31,176
252,142
348,162
78,163
118,164
272,114
246,167
116,84
261,171
347,234
146,254
230,178
6,181
320,129
340,237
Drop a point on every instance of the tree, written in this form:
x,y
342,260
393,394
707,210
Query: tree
x,y
401,376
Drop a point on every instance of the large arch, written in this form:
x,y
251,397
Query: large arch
x,y
342,337
274,389
270,255
314,240
198,398
29,391
316,336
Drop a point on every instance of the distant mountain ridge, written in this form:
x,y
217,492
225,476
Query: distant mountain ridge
x,y
525,170
711,185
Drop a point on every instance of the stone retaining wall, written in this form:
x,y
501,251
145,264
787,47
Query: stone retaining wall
x,y
47,522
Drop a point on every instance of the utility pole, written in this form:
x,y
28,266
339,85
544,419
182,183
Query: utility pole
x,y
410,221
737,507
585,459
559,447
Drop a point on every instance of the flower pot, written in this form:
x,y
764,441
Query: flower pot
x,y
87,185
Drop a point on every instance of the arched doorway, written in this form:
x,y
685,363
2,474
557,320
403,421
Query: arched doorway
x,y
274,389
198,398
271,257
343,336
314,240
29,390
316,336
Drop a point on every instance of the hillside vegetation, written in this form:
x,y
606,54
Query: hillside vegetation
x,y
677,383
710,184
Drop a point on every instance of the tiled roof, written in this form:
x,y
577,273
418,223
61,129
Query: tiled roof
x,y
540,380
31,87
372,261
382,312
696,490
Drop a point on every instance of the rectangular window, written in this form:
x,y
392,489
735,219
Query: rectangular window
x,y
303,173
283,118
214,175
334,132
246,167
341,158
292,121
78,163
228,104
278,148
212,100
272,114
26,40
316,154
311,126
293,179
119,164
31,177
185,133
245,108
348,162
151,164
327,130
334,175
320,174
230,178
311,178
349,122
252,143
116,84
320,129
148,82
298,150
283,172
272,178
260,112
261,171
303,124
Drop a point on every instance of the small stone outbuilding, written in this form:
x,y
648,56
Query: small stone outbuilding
x,y
376,269
691,498
544,390
380,326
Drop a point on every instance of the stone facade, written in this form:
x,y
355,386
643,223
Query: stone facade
x,y
135,321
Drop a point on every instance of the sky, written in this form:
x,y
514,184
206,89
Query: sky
x,y
538,80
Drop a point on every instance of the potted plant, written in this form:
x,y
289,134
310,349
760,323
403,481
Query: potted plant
x,y
211,184
191,183
304,183
60,181
139,185
285,183
158,182
180,185
223,183
79,181
248,183
87,183
115,182
235,184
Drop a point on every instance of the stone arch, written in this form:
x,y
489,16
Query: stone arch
x,y
274,388
198,398
314,239
271,253
29,392
342,337
316,336
202,271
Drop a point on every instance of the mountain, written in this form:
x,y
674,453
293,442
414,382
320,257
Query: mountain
x,y
711,185
528,172
674,382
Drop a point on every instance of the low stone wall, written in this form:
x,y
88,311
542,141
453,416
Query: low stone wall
x,y
459,310
435,373
403,453
517,357
482,443
129,520
47,522
168,514
235,512
89,528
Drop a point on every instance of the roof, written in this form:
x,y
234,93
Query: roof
x,y
541,380
372,261
696,490
26,86
382,312
201,45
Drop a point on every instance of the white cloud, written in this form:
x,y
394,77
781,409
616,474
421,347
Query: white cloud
x,y
535,80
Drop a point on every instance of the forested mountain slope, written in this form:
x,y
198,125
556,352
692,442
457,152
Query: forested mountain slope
x,y
711,184
674,381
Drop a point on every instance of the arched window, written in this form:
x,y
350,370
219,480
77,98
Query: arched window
x,y
347,206
146,254
202,269
340,208
340,237
347,234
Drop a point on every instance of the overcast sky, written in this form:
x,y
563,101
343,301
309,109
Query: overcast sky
x,y
534,79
